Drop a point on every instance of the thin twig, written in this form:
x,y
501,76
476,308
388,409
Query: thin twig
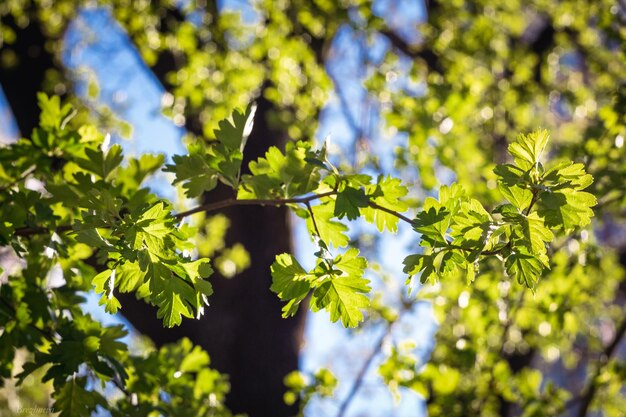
x,y
609,201
513,309
21,178
589,392
38,230
253,202
392,212
361,375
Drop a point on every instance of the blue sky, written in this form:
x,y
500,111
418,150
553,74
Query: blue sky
x,y
131,91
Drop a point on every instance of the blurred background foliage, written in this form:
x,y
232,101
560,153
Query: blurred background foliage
x,y
434,98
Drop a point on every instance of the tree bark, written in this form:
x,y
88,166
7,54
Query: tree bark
x,y
22,81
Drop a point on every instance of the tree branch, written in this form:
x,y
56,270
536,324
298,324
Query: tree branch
x,y
428,56
513,309
392,212
361,375
36,230
587,395
252,202
218,205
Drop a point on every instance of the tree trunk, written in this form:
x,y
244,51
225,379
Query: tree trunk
x,y
22,81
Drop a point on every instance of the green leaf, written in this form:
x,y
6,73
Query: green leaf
x,y
290,281
281,175
226,162
194,172
129,277
174,297
72,400
509,175
525,267
471,225
343,295
527,149
92,238
331,231
100,163
563,204
572,174
339,289
442,264
432,223
233,134
470,272
350,263
508,212
179,289
566,208
387,193
111,303
518,196
200,170
132,176
343,298
198,269
536,233
53,116
195,360
104,284
151,230
349,201
414,264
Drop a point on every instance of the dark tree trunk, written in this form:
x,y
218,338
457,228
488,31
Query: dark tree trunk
x,y
22,81
242,329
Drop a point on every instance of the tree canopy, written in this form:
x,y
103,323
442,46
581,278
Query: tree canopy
x,y
507,175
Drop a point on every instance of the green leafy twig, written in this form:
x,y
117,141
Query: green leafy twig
x,y
37,230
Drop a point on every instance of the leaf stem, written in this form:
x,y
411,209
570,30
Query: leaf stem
x,y
317,231
532,202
